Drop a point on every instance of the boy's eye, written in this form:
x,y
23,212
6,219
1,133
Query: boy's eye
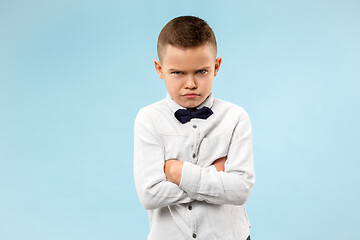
x,y
177,73
202,71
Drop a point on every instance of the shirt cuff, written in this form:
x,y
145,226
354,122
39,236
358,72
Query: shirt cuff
x,y
190,179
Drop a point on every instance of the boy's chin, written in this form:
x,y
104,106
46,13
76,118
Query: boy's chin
x,y
190,104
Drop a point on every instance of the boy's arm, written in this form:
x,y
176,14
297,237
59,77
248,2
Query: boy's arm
x,y
150,181
217,187
173,169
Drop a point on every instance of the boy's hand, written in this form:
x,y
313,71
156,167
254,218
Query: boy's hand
x,y
220,164
173,171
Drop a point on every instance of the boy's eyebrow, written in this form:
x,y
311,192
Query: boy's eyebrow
x,y
207,67
176,69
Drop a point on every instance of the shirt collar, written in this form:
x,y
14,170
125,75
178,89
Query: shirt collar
x,y
208,102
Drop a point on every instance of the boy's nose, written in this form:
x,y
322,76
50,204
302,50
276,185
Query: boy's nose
x,y
190,83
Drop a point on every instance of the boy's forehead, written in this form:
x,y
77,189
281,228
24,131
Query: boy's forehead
x,y
182,57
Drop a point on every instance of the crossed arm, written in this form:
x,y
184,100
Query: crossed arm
x,y
173,169
160,184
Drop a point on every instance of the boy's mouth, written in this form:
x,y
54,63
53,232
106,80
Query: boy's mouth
x,y
190,95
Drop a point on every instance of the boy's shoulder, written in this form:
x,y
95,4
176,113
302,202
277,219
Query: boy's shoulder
x,y
153,109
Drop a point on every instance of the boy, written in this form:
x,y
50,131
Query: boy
x,y
193,164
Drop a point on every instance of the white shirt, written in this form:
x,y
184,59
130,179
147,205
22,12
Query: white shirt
x,y
207,204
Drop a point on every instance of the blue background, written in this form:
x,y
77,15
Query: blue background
x,y
73,74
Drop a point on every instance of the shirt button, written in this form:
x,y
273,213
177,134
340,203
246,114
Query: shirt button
x,y
194,235
194,126
194,155
190,207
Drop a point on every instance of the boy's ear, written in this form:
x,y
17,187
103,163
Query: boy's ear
x,y
158,68
217,65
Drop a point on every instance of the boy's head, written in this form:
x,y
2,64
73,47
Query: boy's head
x,y
185,32
187,60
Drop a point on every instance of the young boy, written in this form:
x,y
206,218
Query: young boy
x,y
193,160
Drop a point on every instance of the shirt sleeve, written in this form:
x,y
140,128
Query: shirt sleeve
x,y
153,189
232,186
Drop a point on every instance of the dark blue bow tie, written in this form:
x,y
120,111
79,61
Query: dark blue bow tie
x,y
185,115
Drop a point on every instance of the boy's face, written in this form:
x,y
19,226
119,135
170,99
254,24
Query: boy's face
x,y
188,73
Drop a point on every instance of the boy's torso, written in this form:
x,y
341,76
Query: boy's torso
x,y
200,142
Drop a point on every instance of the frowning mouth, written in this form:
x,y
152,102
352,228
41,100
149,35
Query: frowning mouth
x,y
191,95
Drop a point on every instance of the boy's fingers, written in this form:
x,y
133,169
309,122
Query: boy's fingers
x,y
220,164
221,159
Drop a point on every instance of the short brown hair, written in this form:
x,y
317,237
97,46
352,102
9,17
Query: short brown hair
x,y
186,32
